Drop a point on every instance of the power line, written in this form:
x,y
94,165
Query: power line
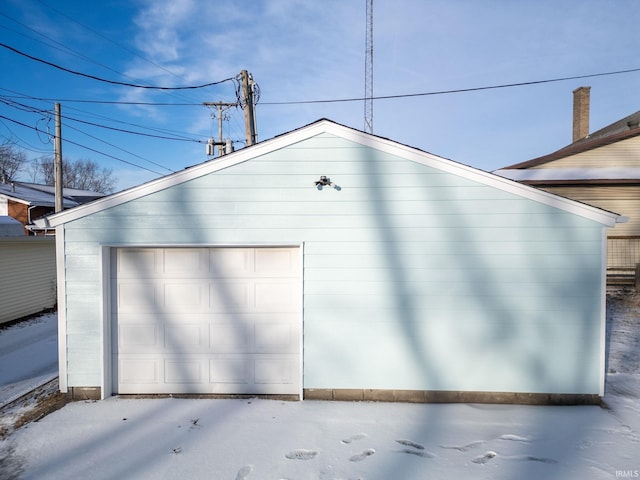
x,y
353,99
162,137
67,49
113,82
460,90
125,48
100,102
111,156
62,48
119,148
21,141
19,123
116,102
21,106
83,146
28,108
62,100
175,133
7,99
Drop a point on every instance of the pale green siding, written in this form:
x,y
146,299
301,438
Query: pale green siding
x,y
413,278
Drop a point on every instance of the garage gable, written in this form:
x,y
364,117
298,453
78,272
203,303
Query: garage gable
x,y
328,129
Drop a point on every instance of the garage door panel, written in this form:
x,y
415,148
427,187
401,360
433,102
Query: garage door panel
x,y
184,262
137,296
231,296
139,263
274,370
230,262
219,374
184,371
136,337
207,320
275,338
135,371
230,370
230,338
279,296
185,338
186,297
282,261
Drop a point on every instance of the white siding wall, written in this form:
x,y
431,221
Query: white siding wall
x,y
413,278
27,276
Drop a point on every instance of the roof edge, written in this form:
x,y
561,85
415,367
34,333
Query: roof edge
x,y
188,173
575,148
327,126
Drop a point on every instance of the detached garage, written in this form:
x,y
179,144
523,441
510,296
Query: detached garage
x,y
330,263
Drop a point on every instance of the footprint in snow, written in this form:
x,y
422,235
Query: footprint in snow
x,y
482,459
530,458
514,438
301,454
539,459
244,472
409,443
353,438
417,453
416,449
361,456
463,448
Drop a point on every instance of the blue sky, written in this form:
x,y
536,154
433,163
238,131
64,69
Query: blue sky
x,y
302,50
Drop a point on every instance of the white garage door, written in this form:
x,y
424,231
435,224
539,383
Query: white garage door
x,y
207,320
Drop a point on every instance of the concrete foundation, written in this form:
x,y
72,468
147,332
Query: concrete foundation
x,y
76,394
430,396
380,395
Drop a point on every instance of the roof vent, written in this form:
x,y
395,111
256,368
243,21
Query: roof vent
x,y
633,123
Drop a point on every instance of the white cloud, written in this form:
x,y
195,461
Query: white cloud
x,y
160,23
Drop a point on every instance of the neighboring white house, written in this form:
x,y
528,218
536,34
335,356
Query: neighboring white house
x,y
27,272
331,263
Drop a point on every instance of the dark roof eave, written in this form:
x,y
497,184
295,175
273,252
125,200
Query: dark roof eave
x,y
575,148
590,182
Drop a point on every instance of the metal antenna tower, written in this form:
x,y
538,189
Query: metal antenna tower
x,y
368,70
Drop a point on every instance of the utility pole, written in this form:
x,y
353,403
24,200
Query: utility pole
x,y
58,162
247,100
220,143
249,114
220,147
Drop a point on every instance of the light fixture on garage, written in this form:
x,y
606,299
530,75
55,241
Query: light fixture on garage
x,y
326,182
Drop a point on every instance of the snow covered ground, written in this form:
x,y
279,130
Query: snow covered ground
x,y
28,356
266,439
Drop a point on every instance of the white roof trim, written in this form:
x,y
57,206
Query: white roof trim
x,y
327,126
14,199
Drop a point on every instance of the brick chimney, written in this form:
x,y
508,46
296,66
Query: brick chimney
x,y
581,100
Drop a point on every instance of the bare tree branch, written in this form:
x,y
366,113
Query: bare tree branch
x,y
12,161
83,174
